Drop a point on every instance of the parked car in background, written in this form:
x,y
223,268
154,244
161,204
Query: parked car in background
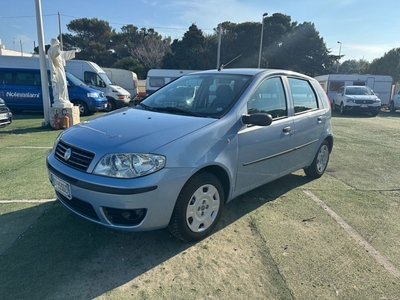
x,y
356,98
192,152
5,114
395,103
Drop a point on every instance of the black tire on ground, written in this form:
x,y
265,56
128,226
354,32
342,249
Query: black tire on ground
x,y
198,208
392,110
342,110
110,105
83,109
374,113
320,162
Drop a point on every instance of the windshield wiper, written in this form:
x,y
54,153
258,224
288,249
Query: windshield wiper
x,y
173,109
146,107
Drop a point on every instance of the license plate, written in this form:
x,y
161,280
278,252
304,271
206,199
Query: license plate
x,y
4,116
61,186
364,106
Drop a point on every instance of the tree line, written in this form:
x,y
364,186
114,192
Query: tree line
x,y
286,45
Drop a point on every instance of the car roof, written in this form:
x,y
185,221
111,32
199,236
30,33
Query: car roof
x,y
355,86
250,72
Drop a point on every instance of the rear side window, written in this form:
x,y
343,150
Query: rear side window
x,y
5,77
156,81
303,95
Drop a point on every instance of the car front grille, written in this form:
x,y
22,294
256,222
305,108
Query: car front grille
x,y
76,158
364,101
81,207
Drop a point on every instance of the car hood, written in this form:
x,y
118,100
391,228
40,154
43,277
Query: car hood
x,y
131,130
361,97
119,89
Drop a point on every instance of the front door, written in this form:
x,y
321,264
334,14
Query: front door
x,y
264,151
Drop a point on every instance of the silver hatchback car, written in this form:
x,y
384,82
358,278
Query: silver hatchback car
x,y
176,158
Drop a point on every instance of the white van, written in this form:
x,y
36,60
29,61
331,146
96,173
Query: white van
x,y
96,78
156,78
124,78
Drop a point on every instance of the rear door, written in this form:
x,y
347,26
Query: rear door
x,y
309,121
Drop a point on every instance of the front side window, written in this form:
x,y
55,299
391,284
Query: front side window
x,y
269,98
303,95
94,79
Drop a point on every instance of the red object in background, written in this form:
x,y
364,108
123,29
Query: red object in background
x,y
57,121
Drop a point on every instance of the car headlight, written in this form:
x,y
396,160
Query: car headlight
x,y
93,95
129,165
348,100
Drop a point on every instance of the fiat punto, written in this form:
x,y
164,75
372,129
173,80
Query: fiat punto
x,y
177,157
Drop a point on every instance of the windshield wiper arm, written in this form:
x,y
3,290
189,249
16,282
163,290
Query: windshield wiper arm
x,y
146,107
179,110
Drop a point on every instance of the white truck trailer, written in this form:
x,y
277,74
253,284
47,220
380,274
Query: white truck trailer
x,y
156,78
380,84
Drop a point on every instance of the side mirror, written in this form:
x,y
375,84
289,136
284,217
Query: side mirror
x,y
260,119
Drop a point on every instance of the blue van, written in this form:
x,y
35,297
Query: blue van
x,y
21,89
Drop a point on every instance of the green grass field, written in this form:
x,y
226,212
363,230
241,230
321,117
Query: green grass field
x,y
274,242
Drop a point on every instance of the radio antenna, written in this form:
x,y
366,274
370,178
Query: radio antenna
x,y
222,66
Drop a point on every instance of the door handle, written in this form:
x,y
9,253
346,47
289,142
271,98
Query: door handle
x,y
319,119
287,130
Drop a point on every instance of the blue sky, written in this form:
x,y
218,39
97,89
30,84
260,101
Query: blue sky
x,y
367,29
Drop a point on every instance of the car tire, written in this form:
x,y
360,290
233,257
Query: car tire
x,y
83,109
110,105
374,113
320,162
392,109
198,208
342,110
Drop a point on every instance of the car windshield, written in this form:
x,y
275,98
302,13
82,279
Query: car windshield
x,y
76,81
105,78
202,95
359,90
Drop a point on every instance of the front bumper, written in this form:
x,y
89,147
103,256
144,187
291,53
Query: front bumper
x,y
101,105
122,102
139,204
362,107
7,120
